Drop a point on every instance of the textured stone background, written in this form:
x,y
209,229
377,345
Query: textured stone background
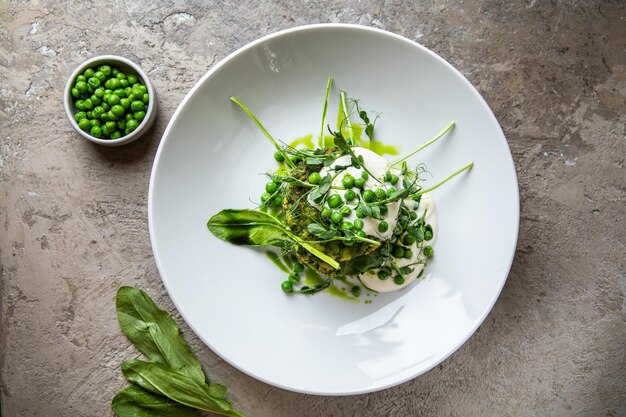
x,y
74,221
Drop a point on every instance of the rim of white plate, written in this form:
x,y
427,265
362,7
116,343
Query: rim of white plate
x,y
238,52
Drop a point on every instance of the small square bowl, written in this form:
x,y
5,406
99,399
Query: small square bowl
x,y
128,67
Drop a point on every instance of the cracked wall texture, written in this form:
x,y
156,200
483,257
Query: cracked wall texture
x,y
74,215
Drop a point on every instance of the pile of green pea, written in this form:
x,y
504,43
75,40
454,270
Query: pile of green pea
x,y
110,103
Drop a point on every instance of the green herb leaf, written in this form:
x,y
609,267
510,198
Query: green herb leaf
x,y
248,228
314,161
318,194
134,401
163,380
321,232
154,333
361,264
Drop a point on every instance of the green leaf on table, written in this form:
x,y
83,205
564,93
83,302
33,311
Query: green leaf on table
x,y
134,401
155,333
163,380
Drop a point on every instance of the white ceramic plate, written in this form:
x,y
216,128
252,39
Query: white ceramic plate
x,y
211,156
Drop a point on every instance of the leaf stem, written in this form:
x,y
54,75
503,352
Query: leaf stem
x,y
466,167
344,107
433,140
262,128
322,136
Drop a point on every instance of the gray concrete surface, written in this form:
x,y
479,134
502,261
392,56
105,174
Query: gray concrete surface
x,y
74,221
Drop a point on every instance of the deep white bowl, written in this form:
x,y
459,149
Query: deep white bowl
x,y
210,158
128,67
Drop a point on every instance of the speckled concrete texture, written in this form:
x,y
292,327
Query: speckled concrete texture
x,y
74,215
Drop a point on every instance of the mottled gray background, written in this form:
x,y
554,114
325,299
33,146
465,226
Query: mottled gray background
x,y
74,216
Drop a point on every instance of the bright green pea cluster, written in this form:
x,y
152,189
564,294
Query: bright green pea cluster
x,y
110,103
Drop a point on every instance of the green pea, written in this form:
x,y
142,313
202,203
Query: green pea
x,y
137,105
387,176
80,116
116,135
137,92
106,97
278,156
142,88
89,115
95,122
80,77
348,181
359,183
413,215
359,213
105,69
96,132
383,226
358,224
356,291
391,191
97,112
336,217
114,84
398,251
113,100
88,104
145,98
108,91
346,211
105,106
114,71
128,117
429,251
126,131
120,92
360,233
132,79
334,201
117,110
105,131
287,286
365,175
125,102
132,124
121,125
383,209
347,226
100,76
104,116
408,239
393,179
139,115
381,194
350,195
428,232
111,126
81,86
95,100
408,253
271,187
85,124
298,267
124,83
120,75
315,178
75,92
89,72
369,196
383,274
265,197
99,92
398,279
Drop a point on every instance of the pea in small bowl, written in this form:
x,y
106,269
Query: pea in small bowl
x,y
120,136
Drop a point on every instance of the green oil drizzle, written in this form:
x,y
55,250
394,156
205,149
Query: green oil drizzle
x,y
303,140
272,256
312,278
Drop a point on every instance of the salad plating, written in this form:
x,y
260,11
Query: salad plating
x,y
340,210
